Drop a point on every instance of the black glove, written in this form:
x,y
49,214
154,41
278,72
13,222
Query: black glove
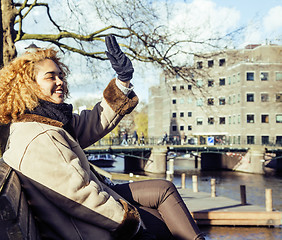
x,y
120,63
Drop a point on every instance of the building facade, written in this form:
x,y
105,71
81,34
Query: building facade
x,y
234,97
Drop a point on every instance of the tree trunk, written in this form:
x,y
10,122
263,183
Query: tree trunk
x,y
8,33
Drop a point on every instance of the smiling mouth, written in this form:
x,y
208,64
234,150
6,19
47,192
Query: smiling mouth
x,y
59,91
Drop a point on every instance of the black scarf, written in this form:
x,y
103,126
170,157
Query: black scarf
x,y
61,112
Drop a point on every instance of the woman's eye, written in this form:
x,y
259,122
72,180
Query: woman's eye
x,y
50,77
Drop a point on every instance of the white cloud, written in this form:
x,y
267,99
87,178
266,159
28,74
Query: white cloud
x,y
265,28
273,20
197,21
203,19
252,35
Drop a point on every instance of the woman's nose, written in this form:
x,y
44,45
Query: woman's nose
x,y
59,81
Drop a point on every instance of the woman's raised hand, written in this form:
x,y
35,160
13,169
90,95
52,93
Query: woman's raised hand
x,y
120,62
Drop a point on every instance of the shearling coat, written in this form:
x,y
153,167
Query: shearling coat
x,y
66,196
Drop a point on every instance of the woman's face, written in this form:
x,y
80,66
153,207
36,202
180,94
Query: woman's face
x,y
50,79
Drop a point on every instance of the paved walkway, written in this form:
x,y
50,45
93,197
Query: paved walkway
x,y
202,201
224,211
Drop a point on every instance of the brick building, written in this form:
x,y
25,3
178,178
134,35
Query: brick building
x,y
236,97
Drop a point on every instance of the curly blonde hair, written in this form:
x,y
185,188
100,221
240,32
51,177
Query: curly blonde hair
x,y
19,90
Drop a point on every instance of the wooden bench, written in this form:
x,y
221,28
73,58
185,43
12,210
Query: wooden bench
x,y
16,219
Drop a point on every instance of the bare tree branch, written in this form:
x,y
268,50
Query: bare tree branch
x,y
145,39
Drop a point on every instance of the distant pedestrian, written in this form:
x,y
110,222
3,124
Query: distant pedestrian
x,y
164,141
124,138
142,139
135,138
183,138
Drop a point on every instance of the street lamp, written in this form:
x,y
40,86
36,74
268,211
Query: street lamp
x,y
31,48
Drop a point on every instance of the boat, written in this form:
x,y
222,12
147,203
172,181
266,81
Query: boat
x,y
102,160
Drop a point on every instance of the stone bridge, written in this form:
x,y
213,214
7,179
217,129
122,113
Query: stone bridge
x,y
153,159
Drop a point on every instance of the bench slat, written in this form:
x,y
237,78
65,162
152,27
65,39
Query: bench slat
x,y
5,170
16,219
9,198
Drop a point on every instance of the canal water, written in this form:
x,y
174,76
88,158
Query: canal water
x,y
228,185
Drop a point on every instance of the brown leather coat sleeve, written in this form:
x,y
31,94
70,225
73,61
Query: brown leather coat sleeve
x,y
118,101
130,224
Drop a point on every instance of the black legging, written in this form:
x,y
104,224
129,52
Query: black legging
x,y
161,208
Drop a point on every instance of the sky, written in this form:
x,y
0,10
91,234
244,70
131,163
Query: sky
x,y
261,19
264,17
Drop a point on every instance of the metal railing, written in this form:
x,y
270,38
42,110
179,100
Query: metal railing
x,y
175,140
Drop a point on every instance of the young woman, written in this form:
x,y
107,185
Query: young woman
x,y
45,144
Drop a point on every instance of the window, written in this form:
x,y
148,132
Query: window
x,y
264,139
264,76
239,139
199,121
222,101
229,80
250,139
234,78
210,101
278,140
200,65
250,118
173,101
181,128
181,87
189,114
174,114
238,77
239,97
265,118
189,100
229,100
222,120
174,88
279,118
181,101
200,83
229,120
189,87
174,128
250,76
210,83
210,121
250,97
221,81
189,128
210,63
200,102
239,119
234,119
278,76
222,62
264,97
181,114
234,99
278,97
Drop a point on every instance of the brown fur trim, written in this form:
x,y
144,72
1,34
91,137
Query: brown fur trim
x,y
118,101
40,119
130,224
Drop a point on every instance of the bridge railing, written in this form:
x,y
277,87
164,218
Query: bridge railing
x,y
172,140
